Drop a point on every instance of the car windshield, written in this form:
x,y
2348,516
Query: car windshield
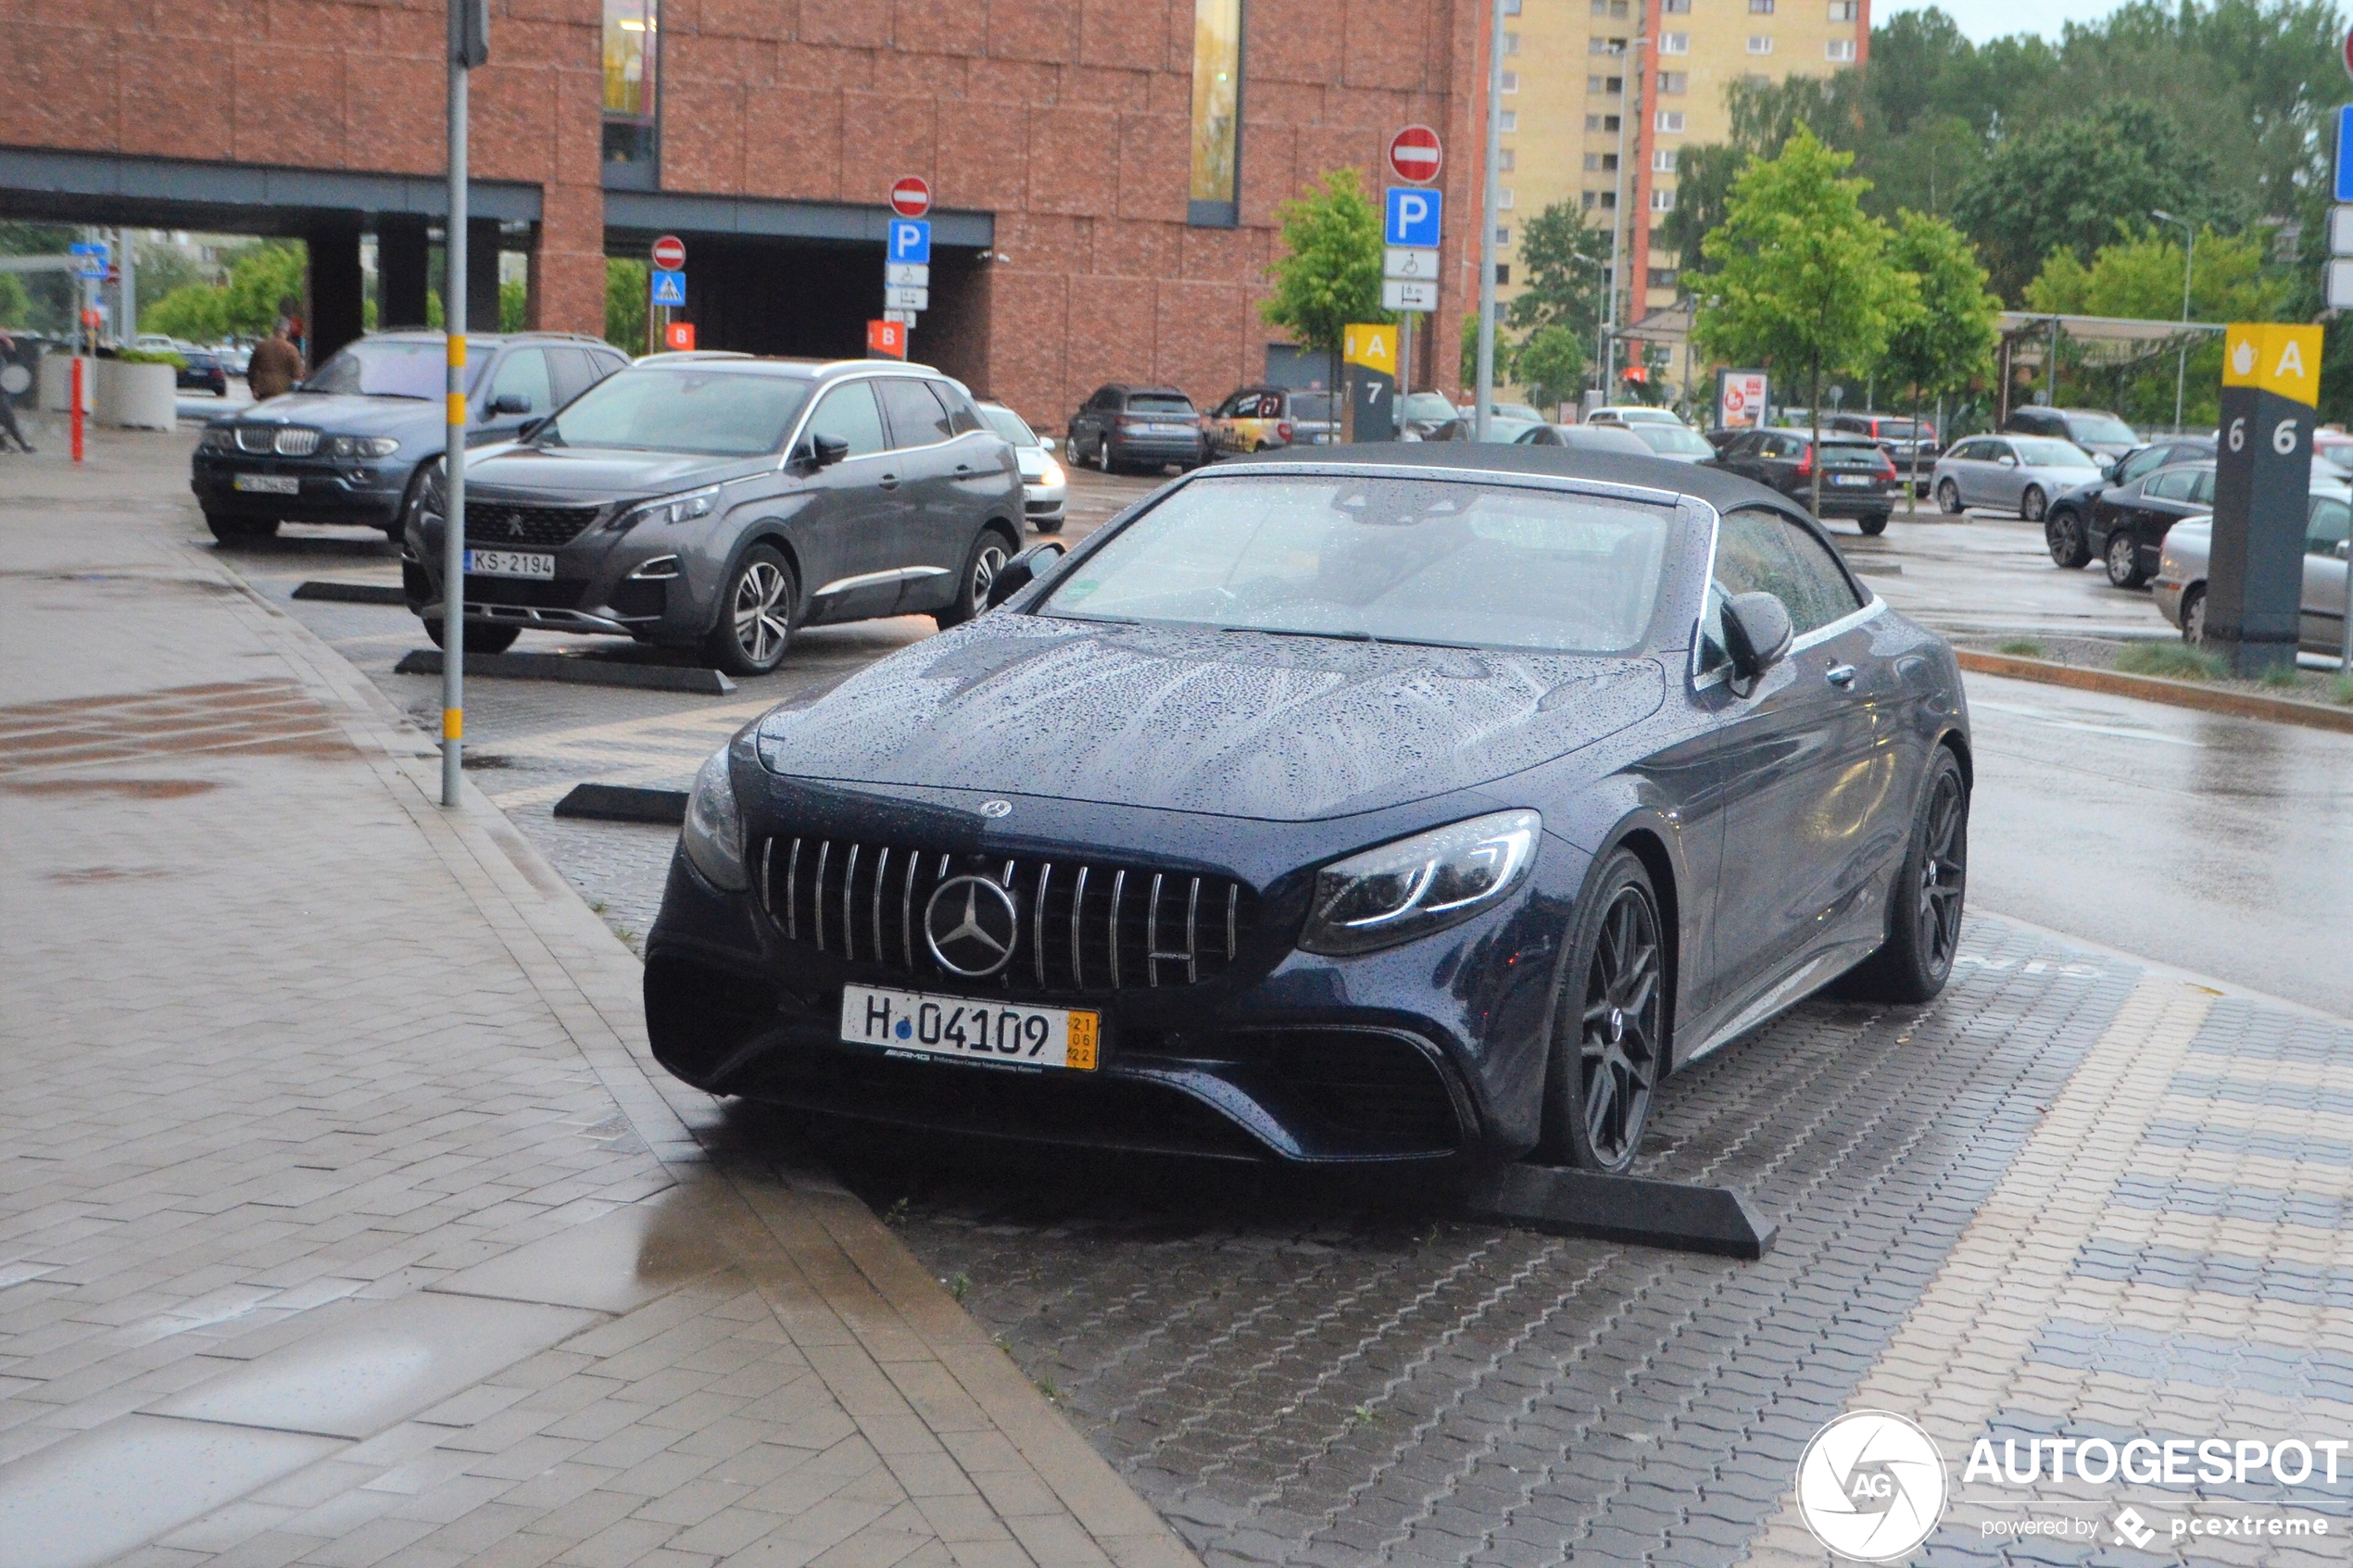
x,y
2045,453
1451,562
1160,403
390,368
1514,412
1009,425
1647,416
1673,439
682,408
1427,405
2100,427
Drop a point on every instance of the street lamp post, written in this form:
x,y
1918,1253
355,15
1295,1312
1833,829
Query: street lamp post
x,y
1627,73
1483,388
2181,354
468,47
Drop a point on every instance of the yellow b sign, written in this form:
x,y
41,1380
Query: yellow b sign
x,y
1371,347
2273,356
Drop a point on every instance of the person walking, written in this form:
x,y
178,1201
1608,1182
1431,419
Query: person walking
x,y
275,367
9,430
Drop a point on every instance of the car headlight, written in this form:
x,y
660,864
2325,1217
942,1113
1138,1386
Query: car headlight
x,y
361,446
1420,885
218,438
670,508
713,833
1052,474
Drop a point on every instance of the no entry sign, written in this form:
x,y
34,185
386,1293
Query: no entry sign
x,y
910,197
1414,155
670,253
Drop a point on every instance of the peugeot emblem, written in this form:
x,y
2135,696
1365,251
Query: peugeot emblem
x,y
996,808
514,526
970,925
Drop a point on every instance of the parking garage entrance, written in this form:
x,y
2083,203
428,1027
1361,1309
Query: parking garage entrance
x,y
803,278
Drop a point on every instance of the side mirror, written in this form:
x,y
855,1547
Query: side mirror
x,y
1756,633
1022,570
1048,443
2342,552
510,403
819,452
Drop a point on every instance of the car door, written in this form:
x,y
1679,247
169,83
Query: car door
x,y
2166,497
2002,480
848,546
1087,427
1799,749
522,374
2321,625
932,532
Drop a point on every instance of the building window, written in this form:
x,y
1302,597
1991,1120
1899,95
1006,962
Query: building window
x,y
1597,45
1505,160
1841,49
1674,43
632,97
1662,276
1662,159
1504,198
1674,81
1662,199
1675,8
1217,114
1589,201
1511,8
1502,273
1760,7
1503,234
1760,44
1609,7
1604,124
1669,122
1510,118
1605,85
1511,43
1511,81
1608,198
1847,10
1600,163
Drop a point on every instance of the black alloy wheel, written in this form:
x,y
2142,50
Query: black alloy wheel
x,y
1609,1036
2032,504
1873,525
479,639
2193,615
990,553
755,614
1949,497
2063,537
1925,904
2124,560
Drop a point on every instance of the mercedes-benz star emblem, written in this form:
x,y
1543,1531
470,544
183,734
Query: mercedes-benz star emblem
x,y
996,808
971,926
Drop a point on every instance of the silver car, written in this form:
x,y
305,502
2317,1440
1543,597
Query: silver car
x,y
1045,489
2180,585
2010,473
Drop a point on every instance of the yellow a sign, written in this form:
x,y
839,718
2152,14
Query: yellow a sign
x,y
1374,347
2273,356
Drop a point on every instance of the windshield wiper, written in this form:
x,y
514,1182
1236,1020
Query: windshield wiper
x,y
1352,636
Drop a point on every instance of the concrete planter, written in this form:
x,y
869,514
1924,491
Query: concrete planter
x,y
139,397
57,384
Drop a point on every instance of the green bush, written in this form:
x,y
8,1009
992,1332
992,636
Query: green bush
x,y
2282,677
152,357
2341,689
2022,647
2171,660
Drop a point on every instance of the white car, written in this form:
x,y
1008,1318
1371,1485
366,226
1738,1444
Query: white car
x,y
1631,414
2010,473
1045,489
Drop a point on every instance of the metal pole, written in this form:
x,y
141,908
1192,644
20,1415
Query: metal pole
x,y
1617,228
2181,354
453,537
1483,391
129,303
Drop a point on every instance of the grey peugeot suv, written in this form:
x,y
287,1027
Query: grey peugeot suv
x,y
717,502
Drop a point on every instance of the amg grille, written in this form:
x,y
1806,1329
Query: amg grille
x,y
493,524
1083,926
288,441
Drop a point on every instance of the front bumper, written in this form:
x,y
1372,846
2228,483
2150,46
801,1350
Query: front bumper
x,y
654,583
1044,503
367,494
1432,1050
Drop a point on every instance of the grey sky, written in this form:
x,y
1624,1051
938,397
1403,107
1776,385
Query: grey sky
x,y
1982,19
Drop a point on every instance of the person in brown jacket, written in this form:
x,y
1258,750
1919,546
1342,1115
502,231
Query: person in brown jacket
x,y
275,367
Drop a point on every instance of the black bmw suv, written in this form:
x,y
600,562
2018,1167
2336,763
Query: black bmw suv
x,y
717,502
351,442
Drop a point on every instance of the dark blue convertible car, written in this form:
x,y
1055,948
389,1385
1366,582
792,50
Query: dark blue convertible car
x,y
1400,803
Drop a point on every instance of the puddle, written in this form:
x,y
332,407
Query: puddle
x,y
619,1261
84,875
135,789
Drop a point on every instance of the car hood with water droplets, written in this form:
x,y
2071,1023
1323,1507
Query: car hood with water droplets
x,y
1231,723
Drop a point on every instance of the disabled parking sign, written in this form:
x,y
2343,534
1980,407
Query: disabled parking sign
x,y
911,239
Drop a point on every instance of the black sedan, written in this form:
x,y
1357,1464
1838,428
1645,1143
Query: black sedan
x,y
2067,525
1858,478
203,372
2127,524
1410,803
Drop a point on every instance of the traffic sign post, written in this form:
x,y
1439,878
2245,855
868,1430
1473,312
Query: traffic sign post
x,y
1369,352
1402,294
670,253
886,339
911,196
1416,154
678,334
2262,482
669,290
1413,223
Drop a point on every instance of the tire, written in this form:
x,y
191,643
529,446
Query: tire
x,y
1925,906
479,639
1948,498
1051,526
988,556
2032,504
1609,1025
398,529
240,530
1102,455
2193,615
2063,537
755,619
1873,525
2123,558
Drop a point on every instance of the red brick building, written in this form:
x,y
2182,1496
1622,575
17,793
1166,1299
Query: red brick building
x,y
1098,215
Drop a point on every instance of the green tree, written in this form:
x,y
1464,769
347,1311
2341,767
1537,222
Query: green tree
x,y
1329,271
1504,366
1947,339
625,287
193,312
1562,260
1798,278
1703,177
1551,364
16,305
162,268
514,306
262,278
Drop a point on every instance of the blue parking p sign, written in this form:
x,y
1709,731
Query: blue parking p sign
x,y
1414,217
2344,153
670,288
911,240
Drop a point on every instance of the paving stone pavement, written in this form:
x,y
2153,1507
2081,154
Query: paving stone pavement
x,y
2077,1196
341,1220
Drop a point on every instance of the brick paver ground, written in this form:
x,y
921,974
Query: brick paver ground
x,y
341,1221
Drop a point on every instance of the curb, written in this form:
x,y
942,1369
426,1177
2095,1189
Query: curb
x,y
2157,688
579,671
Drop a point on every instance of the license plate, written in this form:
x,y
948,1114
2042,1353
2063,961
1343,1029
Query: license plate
x,y
909,1022
510,563
1850,479
269,483
1169,430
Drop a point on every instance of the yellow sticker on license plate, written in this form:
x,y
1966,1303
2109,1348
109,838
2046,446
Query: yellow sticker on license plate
x,y
1008,1033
